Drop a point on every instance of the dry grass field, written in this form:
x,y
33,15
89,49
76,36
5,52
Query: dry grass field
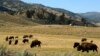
x,y
57,40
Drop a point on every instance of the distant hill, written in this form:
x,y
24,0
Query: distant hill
x,y
22,13
2,9
92,16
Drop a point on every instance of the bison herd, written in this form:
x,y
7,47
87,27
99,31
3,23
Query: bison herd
x,y
14,40
85,46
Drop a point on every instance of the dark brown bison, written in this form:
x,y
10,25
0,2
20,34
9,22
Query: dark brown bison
x,y
25,36
10,42
83,39
25,41
11,37
16,37
35,43
16,40
7,38
30,36
76,44
91,41
85,47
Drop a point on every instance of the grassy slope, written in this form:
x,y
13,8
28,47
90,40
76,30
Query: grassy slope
x,y
9,20
56,30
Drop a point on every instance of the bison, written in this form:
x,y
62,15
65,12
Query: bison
x,y
16,40
10,42
35,43
7,38
25,36
25,41
30,36
11,37
85,47
76,44
83,39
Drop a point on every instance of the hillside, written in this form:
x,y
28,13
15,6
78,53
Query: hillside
x,y
92,16
9,20
40,14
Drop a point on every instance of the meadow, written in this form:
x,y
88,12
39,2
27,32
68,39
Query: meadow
x,y
57,40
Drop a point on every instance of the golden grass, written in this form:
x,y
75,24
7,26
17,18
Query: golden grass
x,y
59,37
57,40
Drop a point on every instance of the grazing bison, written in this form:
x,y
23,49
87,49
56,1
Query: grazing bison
x,y
83,39
35,43
16,40
30,36
10,42
25,36
11,37
16,37
85,47
7,38
91,41
25,41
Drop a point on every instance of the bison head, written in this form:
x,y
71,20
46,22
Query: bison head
x,y
76,44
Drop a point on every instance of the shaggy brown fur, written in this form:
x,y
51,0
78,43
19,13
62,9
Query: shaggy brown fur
x,y
86,47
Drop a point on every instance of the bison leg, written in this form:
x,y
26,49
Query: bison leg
x,y
87,51
96,50
39,45
82,50
10,42
31,46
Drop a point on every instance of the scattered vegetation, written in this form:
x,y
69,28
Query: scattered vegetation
x,y
5,52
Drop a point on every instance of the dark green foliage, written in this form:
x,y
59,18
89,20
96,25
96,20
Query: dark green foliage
x,y
29,13
51,18
84,20
5,52
62,19
26,53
